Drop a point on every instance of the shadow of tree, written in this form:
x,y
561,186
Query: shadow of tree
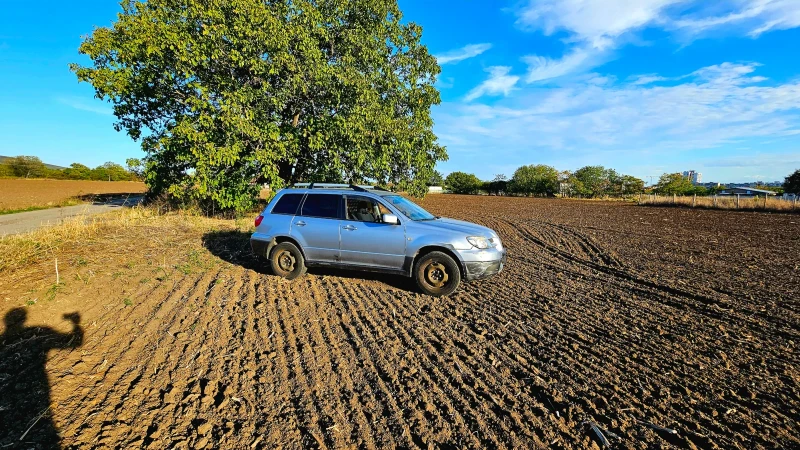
x,y
25,405
234,247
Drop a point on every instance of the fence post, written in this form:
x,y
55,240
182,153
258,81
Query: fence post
x,y
694,200
674,196
715,200
737,201
765,201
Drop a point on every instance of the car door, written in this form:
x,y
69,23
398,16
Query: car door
x,y
316,227
366,240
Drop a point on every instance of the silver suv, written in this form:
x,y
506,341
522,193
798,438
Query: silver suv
x,y
361,227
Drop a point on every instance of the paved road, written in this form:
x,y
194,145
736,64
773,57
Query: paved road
x,y
31,220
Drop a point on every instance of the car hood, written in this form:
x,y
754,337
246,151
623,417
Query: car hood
x,y
469,229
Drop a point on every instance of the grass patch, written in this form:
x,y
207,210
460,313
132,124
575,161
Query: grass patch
x,y
67,202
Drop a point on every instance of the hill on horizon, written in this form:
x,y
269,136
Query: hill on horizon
x,y
49,166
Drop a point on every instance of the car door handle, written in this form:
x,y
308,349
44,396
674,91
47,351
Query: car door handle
x,y
300,223
349,227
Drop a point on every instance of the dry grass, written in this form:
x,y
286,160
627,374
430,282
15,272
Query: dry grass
x,y
724,202
20,250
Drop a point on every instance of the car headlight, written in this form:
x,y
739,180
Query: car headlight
x,y
480,242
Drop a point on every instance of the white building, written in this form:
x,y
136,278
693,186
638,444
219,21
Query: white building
x,y
694,177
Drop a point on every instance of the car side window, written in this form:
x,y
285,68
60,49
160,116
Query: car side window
x,y
362,209
325,206
287,204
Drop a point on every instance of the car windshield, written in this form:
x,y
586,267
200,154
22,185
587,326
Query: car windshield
x,y
409,208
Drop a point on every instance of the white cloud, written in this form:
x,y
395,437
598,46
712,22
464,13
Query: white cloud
x,y
713,106
466,52
499,82
597,27
596,22
541,68
642,80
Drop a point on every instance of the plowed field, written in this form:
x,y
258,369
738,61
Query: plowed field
x,y
612,325
20,193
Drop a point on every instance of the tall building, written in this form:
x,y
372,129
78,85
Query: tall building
x,y
694,177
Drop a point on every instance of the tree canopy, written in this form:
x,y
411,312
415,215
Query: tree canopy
x,y
675,184
535,179
792,183
462,183
227,95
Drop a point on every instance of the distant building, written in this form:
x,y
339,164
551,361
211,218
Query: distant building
x,y
694,177
745,191
435,189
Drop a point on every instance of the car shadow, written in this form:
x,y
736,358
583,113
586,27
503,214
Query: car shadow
x,y
234,247
25,405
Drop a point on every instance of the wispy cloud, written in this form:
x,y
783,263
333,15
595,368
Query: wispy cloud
x,y
594,28
84,105
541,68
466,52
499,82
710,107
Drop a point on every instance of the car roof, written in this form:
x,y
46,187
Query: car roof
x,y
318,188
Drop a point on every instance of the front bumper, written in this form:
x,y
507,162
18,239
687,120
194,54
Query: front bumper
x,y
480,264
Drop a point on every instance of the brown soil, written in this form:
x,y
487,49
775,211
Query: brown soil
x,y
20,193
659,328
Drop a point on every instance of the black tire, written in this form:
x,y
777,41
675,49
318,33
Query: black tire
x,y
437,274
286,260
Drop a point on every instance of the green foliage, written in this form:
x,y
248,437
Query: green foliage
x,y
227,95
436,179
792,183
135,166
78,171
535,179
6,170
498,186
597,181
462,183
27,166
674,184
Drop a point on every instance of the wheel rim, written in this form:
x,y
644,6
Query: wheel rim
x,y
286,261
436,274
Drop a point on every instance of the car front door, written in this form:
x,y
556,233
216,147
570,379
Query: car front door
x,y
316,227
366,240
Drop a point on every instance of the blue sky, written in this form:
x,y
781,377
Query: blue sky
x,y
645,87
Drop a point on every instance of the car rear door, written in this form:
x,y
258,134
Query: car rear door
x,y
316,226
365,240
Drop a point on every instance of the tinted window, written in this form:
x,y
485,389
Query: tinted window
x,y
287,204
321,205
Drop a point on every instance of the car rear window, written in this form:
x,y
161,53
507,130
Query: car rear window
x,y
287,204
321,205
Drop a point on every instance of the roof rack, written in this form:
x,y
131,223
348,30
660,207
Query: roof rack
x,y
355,187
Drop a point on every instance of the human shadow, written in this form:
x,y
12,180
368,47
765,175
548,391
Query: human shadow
x,y
234,247
25,406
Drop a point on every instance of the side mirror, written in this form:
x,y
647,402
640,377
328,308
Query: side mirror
x,y
391,219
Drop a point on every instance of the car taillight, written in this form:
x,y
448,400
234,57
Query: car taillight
x,y
258,220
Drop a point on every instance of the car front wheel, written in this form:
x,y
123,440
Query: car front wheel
x,y
287,261
437,274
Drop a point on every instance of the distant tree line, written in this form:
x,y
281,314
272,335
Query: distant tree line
x,y
586,182
546,181
33,167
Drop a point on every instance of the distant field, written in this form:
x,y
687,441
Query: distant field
x,y
21,194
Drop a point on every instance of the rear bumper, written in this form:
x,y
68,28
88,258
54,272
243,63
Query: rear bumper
x,y
259,247
483,264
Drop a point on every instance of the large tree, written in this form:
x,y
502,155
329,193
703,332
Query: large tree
x,y
227,95
674,183
535,179
462,183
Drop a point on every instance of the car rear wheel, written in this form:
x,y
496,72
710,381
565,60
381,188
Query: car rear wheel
x,y
437,274
287,261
